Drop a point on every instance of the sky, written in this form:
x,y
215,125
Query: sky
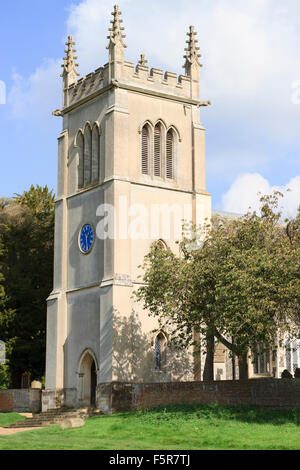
x,y
251,74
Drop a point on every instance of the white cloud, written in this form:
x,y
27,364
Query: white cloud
x,y
37,95
251,60
247,189
250,52
250,66
89,22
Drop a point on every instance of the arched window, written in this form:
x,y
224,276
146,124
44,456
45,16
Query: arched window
x,y
160,245
145,150
80,145
87,155
95,154
157,149
159,156
159,351
170,154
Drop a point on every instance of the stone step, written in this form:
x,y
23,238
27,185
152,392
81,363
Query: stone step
x,y
29,422
30,425
67,411
59,415
52,417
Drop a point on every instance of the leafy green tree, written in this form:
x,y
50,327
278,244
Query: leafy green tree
x,y
4,375
27,232
240,283
292,293
2,291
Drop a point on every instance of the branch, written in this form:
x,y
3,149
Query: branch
x,y
223,340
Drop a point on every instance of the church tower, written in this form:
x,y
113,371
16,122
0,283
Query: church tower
x,y
131,157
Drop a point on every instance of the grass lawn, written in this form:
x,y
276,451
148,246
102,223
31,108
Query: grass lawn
x,y
9,418
180,427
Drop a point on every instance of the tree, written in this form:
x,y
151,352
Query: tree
x,y
4,377
240,283
292,293
27,232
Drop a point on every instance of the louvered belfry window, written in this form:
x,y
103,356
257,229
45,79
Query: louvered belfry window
x,y
157,150
145,150
170,154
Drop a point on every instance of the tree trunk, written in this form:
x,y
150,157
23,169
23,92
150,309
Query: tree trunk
x,y
243,367
208,373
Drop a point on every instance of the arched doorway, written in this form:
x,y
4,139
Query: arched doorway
x,y
87,380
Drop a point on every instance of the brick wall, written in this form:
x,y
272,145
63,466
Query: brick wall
x,y
6,400
22,400
269,393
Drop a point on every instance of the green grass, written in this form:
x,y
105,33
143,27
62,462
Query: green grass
x,y
10,418
180,427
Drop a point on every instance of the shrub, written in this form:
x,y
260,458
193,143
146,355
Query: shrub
x,y
297,373
4,377
286,374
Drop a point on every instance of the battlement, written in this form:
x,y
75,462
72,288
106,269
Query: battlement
x,y
88,85
157,80
140,76
119,72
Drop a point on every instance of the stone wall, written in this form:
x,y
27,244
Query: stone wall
x,y
53,399
269,393
22,400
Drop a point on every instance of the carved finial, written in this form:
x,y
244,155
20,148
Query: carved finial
x,y
116,36
191,56
70,65
143,62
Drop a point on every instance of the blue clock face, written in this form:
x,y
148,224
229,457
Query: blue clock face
x,y
86,238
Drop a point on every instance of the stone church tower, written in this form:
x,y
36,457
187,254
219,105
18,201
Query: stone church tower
x,y
132,149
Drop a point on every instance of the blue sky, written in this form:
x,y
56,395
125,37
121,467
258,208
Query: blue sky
x,y
31,31
251,57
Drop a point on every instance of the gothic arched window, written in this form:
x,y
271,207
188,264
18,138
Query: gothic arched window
x,y
160,245
88,144
157,149
87,155
159,351
170,154
145,149
80,145
95,153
